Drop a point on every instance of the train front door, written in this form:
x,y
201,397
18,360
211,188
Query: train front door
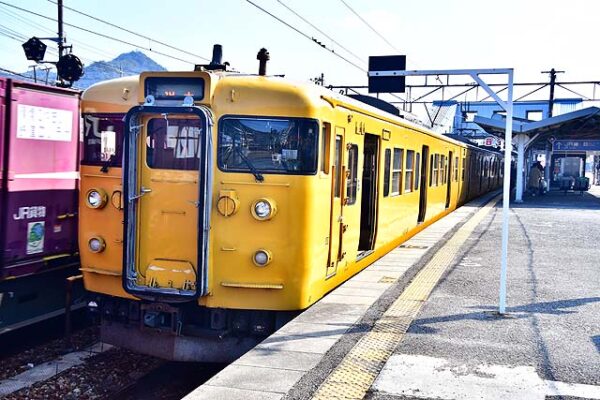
x,y
167,240
336,226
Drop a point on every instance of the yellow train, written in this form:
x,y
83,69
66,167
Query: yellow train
x,y
216,205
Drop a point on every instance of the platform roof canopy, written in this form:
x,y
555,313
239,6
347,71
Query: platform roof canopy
x,y
580,124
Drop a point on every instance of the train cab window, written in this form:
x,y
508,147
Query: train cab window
x,y
397,172
173,143
338,167
268,144
409,171
386,172
417,170
102,139
352,181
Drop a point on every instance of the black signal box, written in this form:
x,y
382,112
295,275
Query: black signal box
x,y
387,84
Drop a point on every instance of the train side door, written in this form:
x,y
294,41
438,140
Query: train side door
x,y
336,225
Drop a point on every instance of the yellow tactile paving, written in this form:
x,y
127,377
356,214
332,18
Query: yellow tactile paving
x,y
353,377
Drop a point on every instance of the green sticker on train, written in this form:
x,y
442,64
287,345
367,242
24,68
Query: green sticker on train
x,y
35,237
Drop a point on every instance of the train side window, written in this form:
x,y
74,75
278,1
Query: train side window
x,y
464,166
440,177
338,166
386,172
418,170
435,169
445,170
408,172
325,147
352,181
455,169
397,172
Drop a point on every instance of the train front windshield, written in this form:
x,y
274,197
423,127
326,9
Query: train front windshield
x,y
268,145
103,139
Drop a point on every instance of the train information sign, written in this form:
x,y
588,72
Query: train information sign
x,y
576,145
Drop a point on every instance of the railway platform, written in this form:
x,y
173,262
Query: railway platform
x,y
421,322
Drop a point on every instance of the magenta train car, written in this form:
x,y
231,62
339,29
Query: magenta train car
x,y
39,157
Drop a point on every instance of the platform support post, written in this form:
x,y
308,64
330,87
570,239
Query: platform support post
x,y
521,140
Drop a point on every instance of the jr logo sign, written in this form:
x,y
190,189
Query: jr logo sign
x,y
30,213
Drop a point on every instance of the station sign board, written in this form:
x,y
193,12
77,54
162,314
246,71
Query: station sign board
x,y
576,145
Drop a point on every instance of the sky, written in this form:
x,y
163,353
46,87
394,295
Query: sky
x,y
528,35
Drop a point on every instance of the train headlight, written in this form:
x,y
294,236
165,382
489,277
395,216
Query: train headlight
x,y
96,198
96,244
264,209
261,257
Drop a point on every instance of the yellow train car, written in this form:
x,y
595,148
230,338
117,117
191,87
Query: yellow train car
x,y
243,199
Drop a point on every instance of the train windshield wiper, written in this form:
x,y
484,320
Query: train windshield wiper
x,y
257,175
107,164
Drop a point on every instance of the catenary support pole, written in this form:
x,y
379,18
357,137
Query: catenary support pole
x,y
506,194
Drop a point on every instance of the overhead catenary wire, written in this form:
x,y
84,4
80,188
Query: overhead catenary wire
x,y
369,25
132,32
312,39
319,30
98,33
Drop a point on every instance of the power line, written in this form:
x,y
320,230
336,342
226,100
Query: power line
x,y
319,30
307,36
132,32
369,25
98,34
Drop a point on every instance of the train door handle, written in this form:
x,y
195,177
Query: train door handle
x,y
143,191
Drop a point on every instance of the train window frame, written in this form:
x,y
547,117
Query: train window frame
x,y
338,158
417,171
118,126
352,172
434,170
455,169
185,163
387,164
325,153
409,170
464,167
397,165
263,171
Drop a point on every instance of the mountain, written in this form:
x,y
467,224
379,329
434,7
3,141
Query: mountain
x,y
131,63
126,64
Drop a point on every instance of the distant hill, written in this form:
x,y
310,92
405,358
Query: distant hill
x,y
126,64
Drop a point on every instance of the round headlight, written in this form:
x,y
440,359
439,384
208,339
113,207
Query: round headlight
x,y
261,257
96,245
263,209
96,198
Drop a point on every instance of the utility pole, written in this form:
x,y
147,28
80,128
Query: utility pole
x,y
552,73
61,39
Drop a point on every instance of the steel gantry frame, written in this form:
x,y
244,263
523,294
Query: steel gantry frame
x,y
507,105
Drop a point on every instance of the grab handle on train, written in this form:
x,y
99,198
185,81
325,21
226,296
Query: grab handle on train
x,y
143,191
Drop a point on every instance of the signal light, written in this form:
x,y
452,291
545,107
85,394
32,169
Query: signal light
x,y
69,68
34,49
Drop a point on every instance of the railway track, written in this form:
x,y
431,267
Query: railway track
x,y
111,374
